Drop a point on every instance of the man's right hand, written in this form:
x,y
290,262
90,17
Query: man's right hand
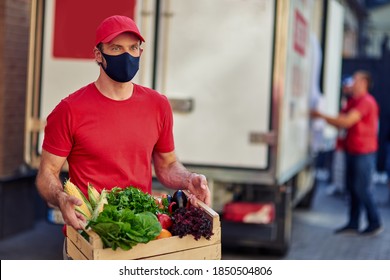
x,y
315,114
71,217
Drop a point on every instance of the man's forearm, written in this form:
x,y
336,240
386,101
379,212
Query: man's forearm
x,y
174,176
342,120
49,187
332,121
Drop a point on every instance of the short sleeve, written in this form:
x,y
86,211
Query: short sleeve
x,y
58,137
364,107
165,142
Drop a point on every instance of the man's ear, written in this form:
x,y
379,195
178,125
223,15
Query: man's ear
x,y
98,55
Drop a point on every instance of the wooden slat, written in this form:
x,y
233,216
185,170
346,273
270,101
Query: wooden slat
x,y
212,252
95,240
157,247
73,251
80,242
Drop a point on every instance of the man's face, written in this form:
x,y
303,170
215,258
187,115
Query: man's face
x,y
125,42
359,83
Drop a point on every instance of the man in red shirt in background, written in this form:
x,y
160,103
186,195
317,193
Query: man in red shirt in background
x,y
360,120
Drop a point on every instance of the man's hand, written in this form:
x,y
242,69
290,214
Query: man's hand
x,y
198,188
70,216
315,114
171,173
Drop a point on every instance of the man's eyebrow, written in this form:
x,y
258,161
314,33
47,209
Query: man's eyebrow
x,y
112,44
136,44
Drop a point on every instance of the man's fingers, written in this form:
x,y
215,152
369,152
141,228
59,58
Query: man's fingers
x,y
202,181
80,216
193,200
75,200
208,201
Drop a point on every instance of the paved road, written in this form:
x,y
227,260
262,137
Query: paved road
x,y
312,236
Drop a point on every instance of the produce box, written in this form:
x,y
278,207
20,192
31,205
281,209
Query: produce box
x,y
171,248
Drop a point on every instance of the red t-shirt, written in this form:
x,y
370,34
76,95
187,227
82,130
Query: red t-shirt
x,y
362,138
109,143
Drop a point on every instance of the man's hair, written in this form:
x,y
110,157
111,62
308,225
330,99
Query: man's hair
x,y
99,46
367,76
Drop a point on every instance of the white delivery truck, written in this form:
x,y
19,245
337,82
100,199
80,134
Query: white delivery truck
x,y
239,76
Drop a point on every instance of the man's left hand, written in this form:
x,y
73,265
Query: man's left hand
x,y
199,188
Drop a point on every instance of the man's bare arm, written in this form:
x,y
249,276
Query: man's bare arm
x,y
173,174
48,182
341,121
50,188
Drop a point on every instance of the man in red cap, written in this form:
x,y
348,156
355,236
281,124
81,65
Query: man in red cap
x,y
112,130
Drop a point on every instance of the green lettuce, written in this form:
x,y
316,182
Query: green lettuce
x,y
128,219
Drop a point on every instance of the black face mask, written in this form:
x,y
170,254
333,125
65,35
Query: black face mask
x,y
121,68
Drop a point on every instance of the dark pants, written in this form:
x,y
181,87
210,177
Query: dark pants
x,y
383,142
324,160
359,171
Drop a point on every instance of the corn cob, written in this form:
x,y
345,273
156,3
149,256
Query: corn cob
x,y
99,205
93,196
85,208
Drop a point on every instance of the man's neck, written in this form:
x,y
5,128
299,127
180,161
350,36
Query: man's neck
x,y
114,90
359,94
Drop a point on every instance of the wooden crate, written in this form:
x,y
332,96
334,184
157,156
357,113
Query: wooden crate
x,y
171,248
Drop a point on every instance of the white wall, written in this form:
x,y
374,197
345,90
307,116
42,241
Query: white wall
x,y
378,25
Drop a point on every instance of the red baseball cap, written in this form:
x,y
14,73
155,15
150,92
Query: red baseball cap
x,y
115,25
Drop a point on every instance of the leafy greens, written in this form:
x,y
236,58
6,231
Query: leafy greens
x,y
128,219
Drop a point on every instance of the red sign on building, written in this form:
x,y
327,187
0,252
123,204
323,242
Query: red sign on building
x,y
75,23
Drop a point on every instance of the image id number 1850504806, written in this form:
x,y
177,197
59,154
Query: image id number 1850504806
x,y
242,270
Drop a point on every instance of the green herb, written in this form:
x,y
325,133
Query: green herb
x,y
134,199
